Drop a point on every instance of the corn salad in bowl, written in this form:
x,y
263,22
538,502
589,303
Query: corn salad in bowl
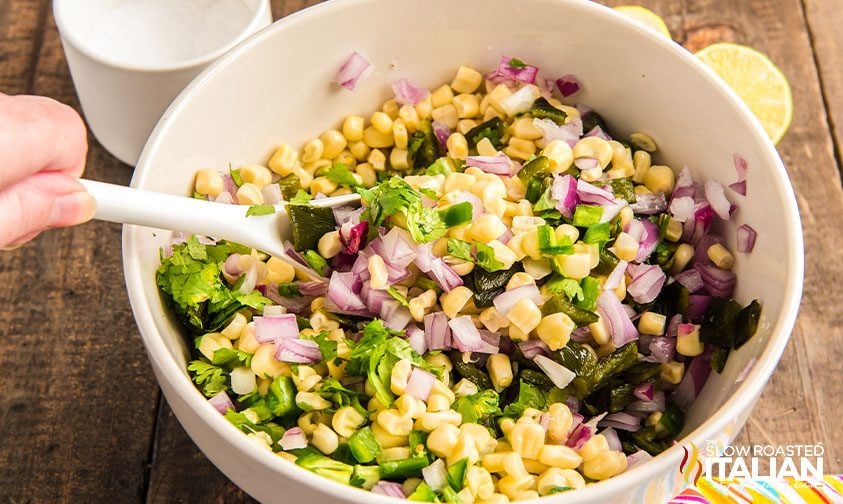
x,y
523,305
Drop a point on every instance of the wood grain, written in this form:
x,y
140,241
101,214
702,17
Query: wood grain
x,y
80,418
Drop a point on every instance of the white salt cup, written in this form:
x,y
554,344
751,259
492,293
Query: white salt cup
x,y
130,58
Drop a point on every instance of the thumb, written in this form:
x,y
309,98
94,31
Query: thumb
x,y
42,201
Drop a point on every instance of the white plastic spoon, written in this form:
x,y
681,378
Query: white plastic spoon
x,y
266,233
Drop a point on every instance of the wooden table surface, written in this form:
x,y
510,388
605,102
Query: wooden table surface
x,y
81,416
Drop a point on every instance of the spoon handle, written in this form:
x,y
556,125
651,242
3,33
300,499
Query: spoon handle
x,y
127,205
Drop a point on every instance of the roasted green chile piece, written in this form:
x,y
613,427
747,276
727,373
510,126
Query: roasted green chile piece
x,y
308,224
560,303
542,109
470,372
493,129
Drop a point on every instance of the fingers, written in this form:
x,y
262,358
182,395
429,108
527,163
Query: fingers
x,y
42,201
39,134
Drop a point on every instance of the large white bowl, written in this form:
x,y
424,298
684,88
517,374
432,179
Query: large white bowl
x,y
276,87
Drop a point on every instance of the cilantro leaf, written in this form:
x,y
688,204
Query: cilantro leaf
x,y
396,295
192,279
327,347
486,258
260,210
560,285
529,396
476,407
516,63
231,358
301,198
235,176
395,196
340,174
545,202
212,379
460,249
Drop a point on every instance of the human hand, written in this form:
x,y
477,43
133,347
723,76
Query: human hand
x,y
43,144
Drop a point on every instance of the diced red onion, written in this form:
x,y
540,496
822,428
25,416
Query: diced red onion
x,y
437,331
520,101
466,338
649,241
274,310
546,87
581,335
272,329
221,402
476,205
682,208
589,193
598,132
293,304
645,406
612,439
415,336
499,164
614,278
232,266
701,249
491,338
611,211
526,74
717,199
649,204
698,306
637,458
272,194
444,275
396,248
228,184
586,163
347,214
420,383
696,374
532,348
394,315
579,436
408,93
250,280
647,282
298,351
673,326
690,279
718,282
570,132
374,298
684,186
686,329
746,238
355,69
739,187
544,420
389,488
618,322
746,370
424,257
340,293
644,391
293,439
442,132
564,192
573,404
352,236
558,374
506,300
225,198
662,349
436,475
622,421
567,85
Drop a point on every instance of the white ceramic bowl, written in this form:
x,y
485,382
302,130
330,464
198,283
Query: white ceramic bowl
x,y
276,87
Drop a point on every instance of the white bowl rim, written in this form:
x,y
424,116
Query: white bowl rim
x,y
748,391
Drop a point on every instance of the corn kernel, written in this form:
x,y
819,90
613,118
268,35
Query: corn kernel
x,y
596,148
555,330
560,423
400,374
689,344
441,96
466,105
659,179
527,439
209,182
454,301
520,148
466,125
467,80
486,228
382,122
605,465
322,185
399,159
377,140
333,142
560,153
408,114
683,255
625,247
721,257
457,146
429,421
672,372
325,439
496,96
500,371
443,439
391,107
385,439
352,128
394,423
576,266
447,115
559,456
283,160
249,194
525,315
596,444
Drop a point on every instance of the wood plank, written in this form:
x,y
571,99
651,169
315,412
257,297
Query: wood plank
x,y
799,402
824,21
80,399
21,23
